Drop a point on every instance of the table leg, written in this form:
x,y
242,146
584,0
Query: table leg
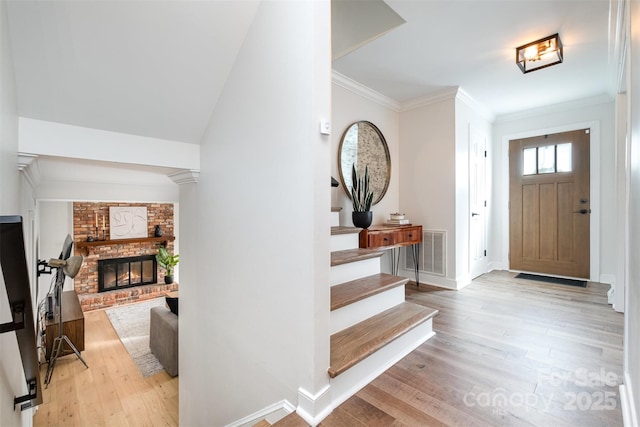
x,y
394,257
415,249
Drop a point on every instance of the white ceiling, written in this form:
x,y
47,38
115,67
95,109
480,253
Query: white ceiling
x,y
156,68
149,68
471,44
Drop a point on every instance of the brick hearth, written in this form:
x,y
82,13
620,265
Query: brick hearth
x,y
86,282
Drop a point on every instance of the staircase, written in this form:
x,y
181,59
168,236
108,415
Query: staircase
x,y
372,325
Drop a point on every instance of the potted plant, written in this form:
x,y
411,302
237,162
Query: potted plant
x,y
167,261
362,197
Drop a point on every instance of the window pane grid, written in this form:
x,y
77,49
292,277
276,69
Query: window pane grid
x,y
547,159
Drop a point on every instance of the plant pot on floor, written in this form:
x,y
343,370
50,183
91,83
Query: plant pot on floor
x,y
362,219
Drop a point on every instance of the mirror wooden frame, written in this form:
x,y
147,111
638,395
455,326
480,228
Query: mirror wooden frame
x,y
363,143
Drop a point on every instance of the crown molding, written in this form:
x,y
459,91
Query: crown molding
x,y
185,176
555,108
362,90
30,168
475,105
432,98
400,107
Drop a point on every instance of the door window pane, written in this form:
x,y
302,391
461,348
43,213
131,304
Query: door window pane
x,y
530,164
564,157
547,159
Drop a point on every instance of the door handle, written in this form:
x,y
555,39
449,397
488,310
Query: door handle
x,y
474,214
583,211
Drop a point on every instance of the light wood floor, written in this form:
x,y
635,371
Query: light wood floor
x,y
507,352
112,392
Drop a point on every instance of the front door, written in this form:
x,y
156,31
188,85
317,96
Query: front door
x,y
549,204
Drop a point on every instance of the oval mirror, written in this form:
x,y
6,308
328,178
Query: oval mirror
x,y
363,144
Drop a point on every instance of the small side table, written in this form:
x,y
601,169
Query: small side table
x,y
393,237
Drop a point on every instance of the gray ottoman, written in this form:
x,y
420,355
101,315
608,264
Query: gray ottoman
x,y
163,338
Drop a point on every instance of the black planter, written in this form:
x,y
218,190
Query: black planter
x,y
362,219
158,231
168,279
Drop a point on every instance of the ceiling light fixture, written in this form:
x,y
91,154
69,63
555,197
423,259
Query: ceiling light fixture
x,y
539,54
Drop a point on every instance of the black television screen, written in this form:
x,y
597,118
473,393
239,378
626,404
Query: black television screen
x,y
16,281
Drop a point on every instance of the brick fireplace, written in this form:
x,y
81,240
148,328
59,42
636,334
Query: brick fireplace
x,y
86,283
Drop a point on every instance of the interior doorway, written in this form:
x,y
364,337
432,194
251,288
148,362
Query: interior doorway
x,y
477,203
549,204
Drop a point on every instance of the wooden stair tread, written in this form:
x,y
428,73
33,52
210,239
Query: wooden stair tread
x,y
336,208
354,344
262,423
353,255
359,289
341,229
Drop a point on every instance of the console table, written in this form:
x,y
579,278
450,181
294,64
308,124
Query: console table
x,y
393,237
72,325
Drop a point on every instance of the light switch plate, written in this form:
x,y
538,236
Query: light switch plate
x,y
325,127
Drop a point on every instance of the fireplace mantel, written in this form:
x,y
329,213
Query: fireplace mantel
x,y
86,246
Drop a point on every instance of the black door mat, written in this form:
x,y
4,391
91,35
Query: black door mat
x,y
557,280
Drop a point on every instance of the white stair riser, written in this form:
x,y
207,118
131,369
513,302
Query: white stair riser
x,y
341,242
335,219
354,313
353,270
349,382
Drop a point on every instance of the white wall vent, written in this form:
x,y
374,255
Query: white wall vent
x,y
432,253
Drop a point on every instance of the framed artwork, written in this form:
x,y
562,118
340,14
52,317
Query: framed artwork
x,y
128,222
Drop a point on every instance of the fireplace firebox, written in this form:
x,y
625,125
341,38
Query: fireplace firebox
x,y
119,273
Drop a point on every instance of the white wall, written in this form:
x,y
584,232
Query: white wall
x,y
9,201
632,311
349,106
12,381
63,140
254,298
434,176
55,222
107,192
597,112
428,173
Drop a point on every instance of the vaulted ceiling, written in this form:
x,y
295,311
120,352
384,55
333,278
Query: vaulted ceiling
x,y
157,68
149,68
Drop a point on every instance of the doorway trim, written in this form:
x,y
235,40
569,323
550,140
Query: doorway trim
x,y
594,176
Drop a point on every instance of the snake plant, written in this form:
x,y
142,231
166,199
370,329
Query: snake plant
x,y
361,195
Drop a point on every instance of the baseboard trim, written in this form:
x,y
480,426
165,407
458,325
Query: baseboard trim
x,y
439,281
495,265
608,279
313,408
271,413
629,414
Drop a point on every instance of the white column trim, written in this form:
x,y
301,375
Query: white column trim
x,y
190,176
629,414
313,408
28,165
